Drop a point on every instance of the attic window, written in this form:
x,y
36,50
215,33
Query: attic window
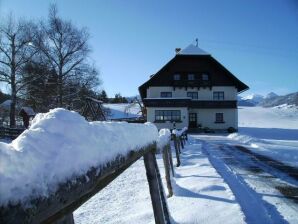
x,y
176,77
191,77
205,77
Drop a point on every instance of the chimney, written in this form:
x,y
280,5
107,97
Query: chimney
x,y
177,50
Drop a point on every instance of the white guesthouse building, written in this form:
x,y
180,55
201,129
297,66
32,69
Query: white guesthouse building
x,y
192,90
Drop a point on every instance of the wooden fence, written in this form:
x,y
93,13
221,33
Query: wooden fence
x,y
12,133
58,208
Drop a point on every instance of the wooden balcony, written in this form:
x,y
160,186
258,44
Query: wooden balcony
x,y
187,102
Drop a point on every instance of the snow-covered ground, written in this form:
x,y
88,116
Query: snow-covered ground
x,y
215,183
202,194
270,131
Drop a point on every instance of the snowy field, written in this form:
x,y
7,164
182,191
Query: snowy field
x,y
122,110
270,131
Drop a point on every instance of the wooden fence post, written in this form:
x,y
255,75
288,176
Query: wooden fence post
x,y
166,161
67,219
160,211
169,151
177,150
162,194
181,141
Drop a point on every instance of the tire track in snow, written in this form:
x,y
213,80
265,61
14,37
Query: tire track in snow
x,y
253,206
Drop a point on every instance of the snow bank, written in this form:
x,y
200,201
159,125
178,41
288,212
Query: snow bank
x,y
246,139
163,138
60,145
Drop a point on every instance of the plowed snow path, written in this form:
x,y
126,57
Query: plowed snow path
x,y
264,194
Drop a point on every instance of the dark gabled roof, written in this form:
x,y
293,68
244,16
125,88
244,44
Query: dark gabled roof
x,y
197,57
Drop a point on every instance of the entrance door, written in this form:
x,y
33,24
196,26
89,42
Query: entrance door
x,y
192,120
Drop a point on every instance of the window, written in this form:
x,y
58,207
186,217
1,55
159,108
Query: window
x,y
219,118
177,77
193,95
166,94
191,77
218,96
205,77
167,115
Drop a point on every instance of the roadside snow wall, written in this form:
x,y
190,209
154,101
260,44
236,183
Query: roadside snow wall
x,y
61,145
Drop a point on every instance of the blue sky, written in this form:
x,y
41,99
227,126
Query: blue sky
x,y
256,40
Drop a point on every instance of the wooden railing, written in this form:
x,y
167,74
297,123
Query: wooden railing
x,y
58,207
12,133
179,139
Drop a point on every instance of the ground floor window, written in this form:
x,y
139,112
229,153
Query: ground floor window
x,y
167,115
219,118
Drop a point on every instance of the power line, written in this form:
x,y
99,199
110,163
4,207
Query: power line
x,y
250,48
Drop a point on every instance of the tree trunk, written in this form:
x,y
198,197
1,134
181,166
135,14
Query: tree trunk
x,y
60,89
12,113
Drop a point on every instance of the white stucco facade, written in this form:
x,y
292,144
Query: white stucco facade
x,y
230,92
205,118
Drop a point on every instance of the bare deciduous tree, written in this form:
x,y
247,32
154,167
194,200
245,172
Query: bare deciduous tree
x,y
16,50
65,47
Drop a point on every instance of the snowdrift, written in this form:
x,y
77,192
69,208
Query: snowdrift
x,y
60,145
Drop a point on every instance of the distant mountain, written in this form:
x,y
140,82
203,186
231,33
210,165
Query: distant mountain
x,y
271,100
271,95
255,98
290,99
250,100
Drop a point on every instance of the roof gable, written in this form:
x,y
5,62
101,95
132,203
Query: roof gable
x,y
192,50
189,62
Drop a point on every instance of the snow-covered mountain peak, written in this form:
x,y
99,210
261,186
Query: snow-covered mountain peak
x,y
271,95
254,97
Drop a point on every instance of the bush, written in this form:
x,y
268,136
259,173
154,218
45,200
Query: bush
x,y
231,130
207,130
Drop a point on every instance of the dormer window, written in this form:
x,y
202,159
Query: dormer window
x,y
205,77
176,77
191,77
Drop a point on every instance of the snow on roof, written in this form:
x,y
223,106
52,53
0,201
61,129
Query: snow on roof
x,y
6,104
29,111
60,145
192,50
